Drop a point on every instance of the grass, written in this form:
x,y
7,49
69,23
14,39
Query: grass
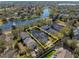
x,y
50,54
28,18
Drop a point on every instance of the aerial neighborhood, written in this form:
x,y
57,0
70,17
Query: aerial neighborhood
x,y
36,29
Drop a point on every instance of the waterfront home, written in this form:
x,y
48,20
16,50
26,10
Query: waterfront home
x,y
7,32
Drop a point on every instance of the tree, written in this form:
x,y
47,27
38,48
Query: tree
x,y
0,31
71,34
2,45
53,10
71,43
76,52
2,42
23,16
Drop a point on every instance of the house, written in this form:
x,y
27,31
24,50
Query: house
x,y
30,43
57,26
46,27
33,47
76,32
40,36
7,32
2,20
3,36
21,47
49,29
33,53
52,31
9,37
23,35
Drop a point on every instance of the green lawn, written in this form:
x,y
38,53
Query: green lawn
x,y
50,54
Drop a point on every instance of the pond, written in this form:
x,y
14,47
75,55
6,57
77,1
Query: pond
x,y
9,24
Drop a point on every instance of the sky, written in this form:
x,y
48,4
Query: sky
x,y
39,0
